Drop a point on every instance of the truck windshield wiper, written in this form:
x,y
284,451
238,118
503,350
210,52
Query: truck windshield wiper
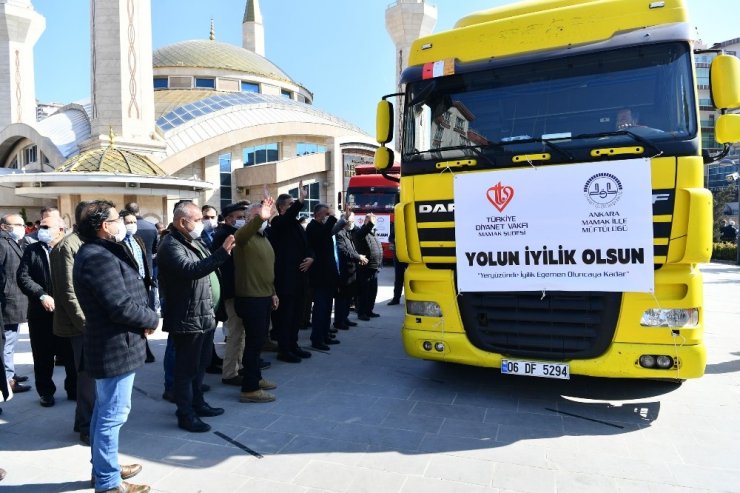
x,y
476,149
617,133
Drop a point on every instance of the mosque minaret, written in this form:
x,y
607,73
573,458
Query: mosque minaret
x,y
20,28
253,30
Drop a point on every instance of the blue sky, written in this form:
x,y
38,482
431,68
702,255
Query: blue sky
x,y
338,49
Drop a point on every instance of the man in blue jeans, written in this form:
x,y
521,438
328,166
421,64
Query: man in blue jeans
x,y
117,320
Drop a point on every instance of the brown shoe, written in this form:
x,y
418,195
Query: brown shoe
x,y
125,487
127,472
267,385
256,396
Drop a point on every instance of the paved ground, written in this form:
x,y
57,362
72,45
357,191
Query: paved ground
x,y
365,417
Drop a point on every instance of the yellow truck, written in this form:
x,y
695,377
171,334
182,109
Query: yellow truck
x,y
552,210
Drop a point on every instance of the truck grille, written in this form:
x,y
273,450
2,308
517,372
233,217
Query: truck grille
x,y
561,326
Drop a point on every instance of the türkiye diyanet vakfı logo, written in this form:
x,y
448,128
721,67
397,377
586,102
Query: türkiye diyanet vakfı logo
x,y
603,190
500,196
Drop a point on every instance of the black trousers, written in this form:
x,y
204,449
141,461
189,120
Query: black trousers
x,y
85,390
367,290
44,346
287,320
192,355
399,270
321,318
255,315
343,299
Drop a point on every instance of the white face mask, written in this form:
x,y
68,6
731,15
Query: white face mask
x,y
17,233
120,232
238,223
197,230
131,229
210,224
45,236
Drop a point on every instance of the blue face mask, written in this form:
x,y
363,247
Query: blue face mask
x,y
45,236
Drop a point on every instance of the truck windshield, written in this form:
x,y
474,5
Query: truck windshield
x,y
372,200
642,92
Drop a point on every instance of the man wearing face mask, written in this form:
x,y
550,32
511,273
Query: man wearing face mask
x,y
34,280
210,223
234,218
192,293
323,274
137,248
117,321
349,259
14,302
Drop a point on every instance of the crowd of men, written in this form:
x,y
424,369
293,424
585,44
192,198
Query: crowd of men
x,y
92,296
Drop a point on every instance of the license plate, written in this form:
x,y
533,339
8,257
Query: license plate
x,y
536,369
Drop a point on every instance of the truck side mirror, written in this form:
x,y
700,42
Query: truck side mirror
x,y
383,158
727,129
725,82
384,122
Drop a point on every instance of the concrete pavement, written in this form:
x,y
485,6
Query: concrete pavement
x,y
364,417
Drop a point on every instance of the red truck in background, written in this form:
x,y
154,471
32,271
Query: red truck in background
x,y
369,191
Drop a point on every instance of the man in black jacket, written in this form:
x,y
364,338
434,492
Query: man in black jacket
x,y
117,320
14,302
367,244
234,218
324,273
349,259
293,259
34,280
192,292
147,231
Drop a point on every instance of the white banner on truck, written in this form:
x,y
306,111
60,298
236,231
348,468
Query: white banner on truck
x,y
382,225
579,227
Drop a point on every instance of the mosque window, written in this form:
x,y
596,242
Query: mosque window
x,y
181,82
30,154
160,83
230,85
203,83
224,164
250,87
259,154
311,201
303,148
286,94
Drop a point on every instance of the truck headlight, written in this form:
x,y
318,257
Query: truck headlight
x,y
670,317
423,308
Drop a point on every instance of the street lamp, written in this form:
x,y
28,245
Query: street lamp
x,y
733,178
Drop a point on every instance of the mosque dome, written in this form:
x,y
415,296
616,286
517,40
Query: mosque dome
x,y
211,54
110,160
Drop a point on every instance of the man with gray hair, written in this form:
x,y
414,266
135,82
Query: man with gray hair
x,y
191,288
14,302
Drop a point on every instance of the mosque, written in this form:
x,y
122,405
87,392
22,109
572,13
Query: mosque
x,y
199,119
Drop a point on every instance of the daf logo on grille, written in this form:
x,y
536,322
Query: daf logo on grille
x,y
434,208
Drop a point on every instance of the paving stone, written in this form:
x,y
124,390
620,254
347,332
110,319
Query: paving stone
x,y
460,469
469,413
523,478
431,485
327,476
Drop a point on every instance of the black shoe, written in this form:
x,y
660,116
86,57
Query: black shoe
x,y
301,353
320,346
206,411
373,314
169,395
264,365
332,341
150,358
20,379
205,387
193,424
339,327
288,358
350,323
46,400
85,438
394,301
18,388
236,381
214,370
364,318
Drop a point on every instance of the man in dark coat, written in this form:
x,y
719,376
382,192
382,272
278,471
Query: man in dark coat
x,y
192,292
349,259
149,234
4,388
14,302
34,280
399,269
293,259
210,223
324,273
117,321
234,218
367,244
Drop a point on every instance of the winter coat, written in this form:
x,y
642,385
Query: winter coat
x,y
14,302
